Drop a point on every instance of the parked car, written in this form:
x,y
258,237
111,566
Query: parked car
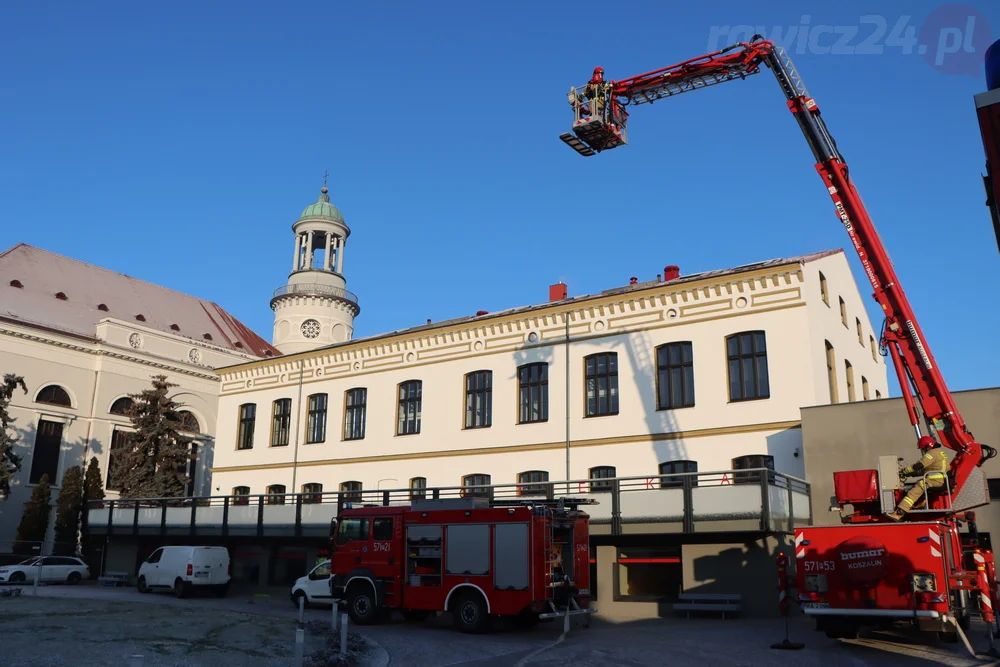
x,y
185,570
314,587
53,569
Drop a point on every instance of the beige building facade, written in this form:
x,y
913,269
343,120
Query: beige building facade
x,y
84,338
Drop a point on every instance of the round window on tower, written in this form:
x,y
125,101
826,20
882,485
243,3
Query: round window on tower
x,y
310,329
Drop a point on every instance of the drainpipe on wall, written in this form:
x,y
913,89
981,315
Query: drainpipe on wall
x,y
567,401
298,411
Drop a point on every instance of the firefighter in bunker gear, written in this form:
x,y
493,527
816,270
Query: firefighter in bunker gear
x,y
932,468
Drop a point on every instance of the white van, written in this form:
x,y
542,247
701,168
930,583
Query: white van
x,y
314,587
185,569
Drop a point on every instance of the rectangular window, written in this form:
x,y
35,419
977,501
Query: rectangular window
x,y
861,336
479,399
602,384
119,441
533,387
849,372
281,422
648,574
45,456
822,289
248,416
349,530
674,376
748,377
468,549
316,428
356,401
382,529
843,312
410,398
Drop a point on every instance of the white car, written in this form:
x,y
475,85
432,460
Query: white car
x,y
185,569
314,587
53,569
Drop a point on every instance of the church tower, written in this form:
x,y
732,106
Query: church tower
x,y
315,309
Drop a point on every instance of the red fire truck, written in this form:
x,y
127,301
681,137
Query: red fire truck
x,y
871,569
475,557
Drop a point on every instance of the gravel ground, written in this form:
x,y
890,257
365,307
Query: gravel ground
x,y
244,629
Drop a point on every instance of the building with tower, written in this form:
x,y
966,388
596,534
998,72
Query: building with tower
x,y
314,308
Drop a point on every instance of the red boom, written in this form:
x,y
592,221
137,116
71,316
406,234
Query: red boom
x,y
601,127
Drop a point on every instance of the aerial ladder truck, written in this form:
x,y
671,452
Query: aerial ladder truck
x,y
870,569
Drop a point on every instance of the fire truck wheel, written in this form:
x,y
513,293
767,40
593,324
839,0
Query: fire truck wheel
x,y
469,612
361,604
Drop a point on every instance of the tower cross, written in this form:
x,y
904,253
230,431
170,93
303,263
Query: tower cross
x,y
325,174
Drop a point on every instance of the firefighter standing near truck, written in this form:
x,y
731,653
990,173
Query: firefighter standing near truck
x,y
932,468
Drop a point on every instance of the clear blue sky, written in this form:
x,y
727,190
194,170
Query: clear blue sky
x,y
177,142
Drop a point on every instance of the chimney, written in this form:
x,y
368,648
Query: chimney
x,y
671,273
633,281
557,292
482,312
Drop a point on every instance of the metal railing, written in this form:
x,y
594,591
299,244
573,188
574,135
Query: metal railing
x,y
732,500
315,288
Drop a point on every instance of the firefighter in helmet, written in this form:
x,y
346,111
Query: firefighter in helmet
x,y
595,92
932,468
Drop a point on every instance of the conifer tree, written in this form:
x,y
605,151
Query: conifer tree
x,y
10,462
93,482
68,507
151,464
35,520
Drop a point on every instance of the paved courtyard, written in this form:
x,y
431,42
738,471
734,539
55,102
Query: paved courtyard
x,y
85,626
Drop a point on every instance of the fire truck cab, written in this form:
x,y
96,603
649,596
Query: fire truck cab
x,y
474,557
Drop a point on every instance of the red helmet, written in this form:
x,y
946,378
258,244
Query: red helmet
x,y
925,442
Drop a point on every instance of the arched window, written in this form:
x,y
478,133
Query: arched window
x,y
241,495
54,395
477,480
351,491
276,494
528,483
312,492
418,488
121,406
188,422
676,467
602,472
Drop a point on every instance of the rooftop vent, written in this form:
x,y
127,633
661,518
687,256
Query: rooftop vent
x,y
140,317
671,273
174,327
268,353
16,283
238,344
557,292
61,296
102,306
207,336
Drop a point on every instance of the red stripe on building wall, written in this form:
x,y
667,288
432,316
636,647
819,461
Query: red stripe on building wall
x,y
649,560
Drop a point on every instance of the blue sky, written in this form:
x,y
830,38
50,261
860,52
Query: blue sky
x,y
177,142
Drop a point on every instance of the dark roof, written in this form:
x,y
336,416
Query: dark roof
x,y
90,293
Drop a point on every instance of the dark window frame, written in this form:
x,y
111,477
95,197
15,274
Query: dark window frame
x,y
479,392
46,462
355,413
533,487
274,496
761,388
677,467
316,414
312,493
478,479
247,424
601,487
351,491
418,491
126,404
53,394
240,495
530,410
409,407
665,369
281,422
593,375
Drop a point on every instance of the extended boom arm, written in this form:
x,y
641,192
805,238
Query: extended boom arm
x,y
600,125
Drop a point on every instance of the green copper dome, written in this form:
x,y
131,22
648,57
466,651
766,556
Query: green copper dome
x,y
322,208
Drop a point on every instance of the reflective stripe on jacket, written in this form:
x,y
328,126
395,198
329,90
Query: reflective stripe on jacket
x,y
934,463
